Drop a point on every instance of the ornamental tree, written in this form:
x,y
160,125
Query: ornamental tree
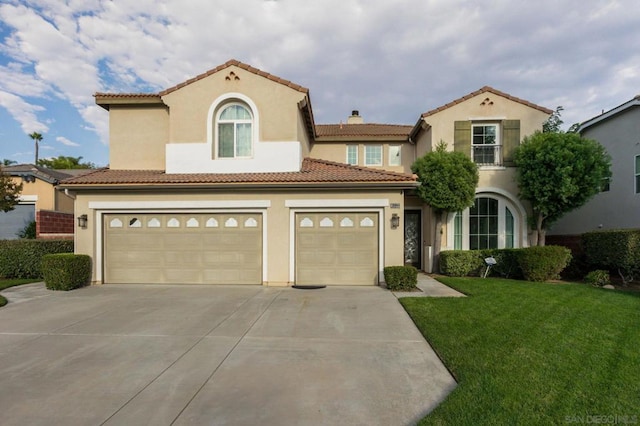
x,y
448,183
9,192
63,162
559,172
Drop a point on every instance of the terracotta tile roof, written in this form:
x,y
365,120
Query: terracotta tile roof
x,y
313,171
484,90
366,129
126,95
242,66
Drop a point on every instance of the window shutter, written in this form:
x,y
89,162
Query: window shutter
x,y
511,140
462,137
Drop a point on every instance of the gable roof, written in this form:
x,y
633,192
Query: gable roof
x,y
234,62
338,131
313,172
611,113
484,90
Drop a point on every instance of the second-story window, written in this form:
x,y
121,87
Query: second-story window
x,y
352,155
394,155
485,144
373,155
234,133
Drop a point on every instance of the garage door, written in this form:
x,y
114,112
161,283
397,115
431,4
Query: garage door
x,y
337,248
14,221
183,248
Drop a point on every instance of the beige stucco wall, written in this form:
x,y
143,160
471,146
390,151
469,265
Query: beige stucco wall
x,y
137,137
337,151
277,221
277,105
48,197
442,122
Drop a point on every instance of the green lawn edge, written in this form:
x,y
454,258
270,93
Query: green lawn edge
x,y
6,283
534,353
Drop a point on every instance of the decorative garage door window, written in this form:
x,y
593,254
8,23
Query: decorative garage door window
x,y
189,248
336,248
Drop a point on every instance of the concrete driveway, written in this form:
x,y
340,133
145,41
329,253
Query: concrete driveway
x,y
160,355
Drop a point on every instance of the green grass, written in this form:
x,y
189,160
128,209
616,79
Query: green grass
x,y
5,283
532,353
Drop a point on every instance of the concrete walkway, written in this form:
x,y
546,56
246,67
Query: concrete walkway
x,y
429,287
161,355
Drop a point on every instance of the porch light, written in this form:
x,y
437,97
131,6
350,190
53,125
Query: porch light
x,y
395,221
82,221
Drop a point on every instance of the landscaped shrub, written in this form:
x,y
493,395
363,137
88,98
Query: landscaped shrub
x,y
543,263
66,271
506,263
460,263
23,258
29,231
401,278
598,278
616,250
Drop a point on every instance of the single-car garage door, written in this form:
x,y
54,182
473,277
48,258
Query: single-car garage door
x,y
337,248
183,248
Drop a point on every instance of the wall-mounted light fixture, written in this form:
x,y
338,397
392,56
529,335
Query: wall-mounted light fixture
x,y
82,221
395,221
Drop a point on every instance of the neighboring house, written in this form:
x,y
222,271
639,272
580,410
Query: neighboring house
x,y
40,201
227,179
618,205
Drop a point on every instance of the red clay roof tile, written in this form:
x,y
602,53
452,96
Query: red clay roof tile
x,y
481,91
313,171
366,129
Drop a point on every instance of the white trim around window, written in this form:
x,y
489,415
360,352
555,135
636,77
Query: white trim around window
x,y
373,155
352,155
395,158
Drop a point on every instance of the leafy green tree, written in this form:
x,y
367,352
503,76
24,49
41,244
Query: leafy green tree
x,y
37,138
9,192
62,162
553,123
7,162
559,172
448,183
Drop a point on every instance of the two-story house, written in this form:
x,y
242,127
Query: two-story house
x,y
227,179
618,205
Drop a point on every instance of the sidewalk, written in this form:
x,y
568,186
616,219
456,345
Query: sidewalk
x,y
429,288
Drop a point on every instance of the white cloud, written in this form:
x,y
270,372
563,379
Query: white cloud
x,y
65,141
23,112
391,59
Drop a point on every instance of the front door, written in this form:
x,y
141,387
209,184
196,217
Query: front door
x,y
412,238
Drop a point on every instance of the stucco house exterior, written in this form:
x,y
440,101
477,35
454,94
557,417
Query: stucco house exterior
x,y
40,199
618,205
226,178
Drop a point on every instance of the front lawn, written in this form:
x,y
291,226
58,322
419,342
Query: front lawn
x,y
5,283
531,353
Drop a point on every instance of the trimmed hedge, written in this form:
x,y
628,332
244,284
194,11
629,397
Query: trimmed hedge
x,y
401,278
616,250
543,263
66,271
23,258
532,264
460,263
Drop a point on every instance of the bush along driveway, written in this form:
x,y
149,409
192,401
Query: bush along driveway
x,y
534,353
4,284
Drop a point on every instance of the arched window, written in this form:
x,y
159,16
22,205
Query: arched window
x,y
489,223
234,131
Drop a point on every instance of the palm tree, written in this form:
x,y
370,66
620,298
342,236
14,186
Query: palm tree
x,y
37,137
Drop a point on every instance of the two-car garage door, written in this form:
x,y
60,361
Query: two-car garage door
x,y
183,248
227,248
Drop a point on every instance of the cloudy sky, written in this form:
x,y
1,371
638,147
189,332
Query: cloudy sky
x,y
390,59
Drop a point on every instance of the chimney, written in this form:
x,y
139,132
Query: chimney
x,y
355,118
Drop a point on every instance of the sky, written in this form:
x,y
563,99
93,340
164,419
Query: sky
x,y
390,59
